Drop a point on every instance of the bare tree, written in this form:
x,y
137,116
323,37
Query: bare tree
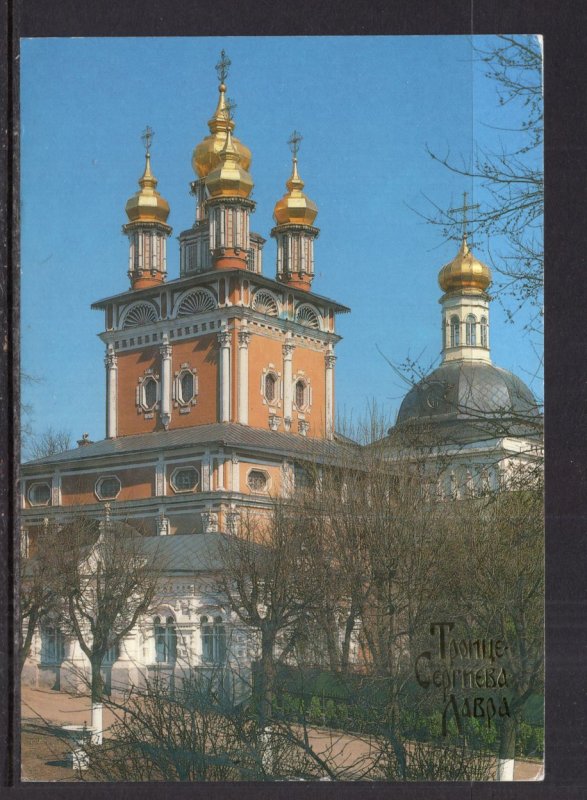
x,y
106,587
38,587
513,178
260,584
48,443
501,539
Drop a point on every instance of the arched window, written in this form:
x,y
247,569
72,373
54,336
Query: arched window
x,y
213,640
301,394
165,640
270,386
455,332
149,393
471,331
484,332
112,655
52,645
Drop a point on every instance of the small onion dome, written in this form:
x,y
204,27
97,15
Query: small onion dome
x,y
206,155
295,207
464,272
147,205
229,178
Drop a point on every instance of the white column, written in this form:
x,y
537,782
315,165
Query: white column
x,y
288,349
224,341
111,362
244,337
165,411
330,360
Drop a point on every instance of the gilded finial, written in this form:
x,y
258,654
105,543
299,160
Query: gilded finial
x,y
222,67
465,273
295,182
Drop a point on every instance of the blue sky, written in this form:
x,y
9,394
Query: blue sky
x,y
367,107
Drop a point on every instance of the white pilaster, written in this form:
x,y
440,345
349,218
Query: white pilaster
x,y
206,472
56,488
166,352
224,342
330,360
244,338
160,488
111,363
288,349
235,482
220,470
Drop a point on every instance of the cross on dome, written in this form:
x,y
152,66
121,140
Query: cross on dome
x,y
294,142
147,137
464,208
222,66
229,108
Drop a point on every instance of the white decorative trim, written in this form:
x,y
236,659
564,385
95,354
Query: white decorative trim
x,y
274,421
210,521
194,302
139,314
307,314
265,302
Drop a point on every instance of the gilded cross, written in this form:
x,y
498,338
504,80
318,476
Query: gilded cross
x,y
464,208
294,142
222,67
147,138
230,106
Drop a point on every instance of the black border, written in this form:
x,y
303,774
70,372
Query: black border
x,y
563,24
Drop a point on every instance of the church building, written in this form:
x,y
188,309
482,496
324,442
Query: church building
x,y
220,387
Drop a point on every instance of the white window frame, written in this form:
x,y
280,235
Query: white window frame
x,y
300,378
178,489
102,478
267,487
30,490
271,370
141,399
218,639
168,624
177,393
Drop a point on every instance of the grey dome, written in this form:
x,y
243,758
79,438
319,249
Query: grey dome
x,y
466,396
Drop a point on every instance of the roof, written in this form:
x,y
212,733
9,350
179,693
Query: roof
x,y
226,434
202,277
467,401
195,552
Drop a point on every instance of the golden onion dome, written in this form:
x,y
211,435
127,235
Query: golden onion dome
x,y
229,178
295,207
464,272
206,155
147,205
